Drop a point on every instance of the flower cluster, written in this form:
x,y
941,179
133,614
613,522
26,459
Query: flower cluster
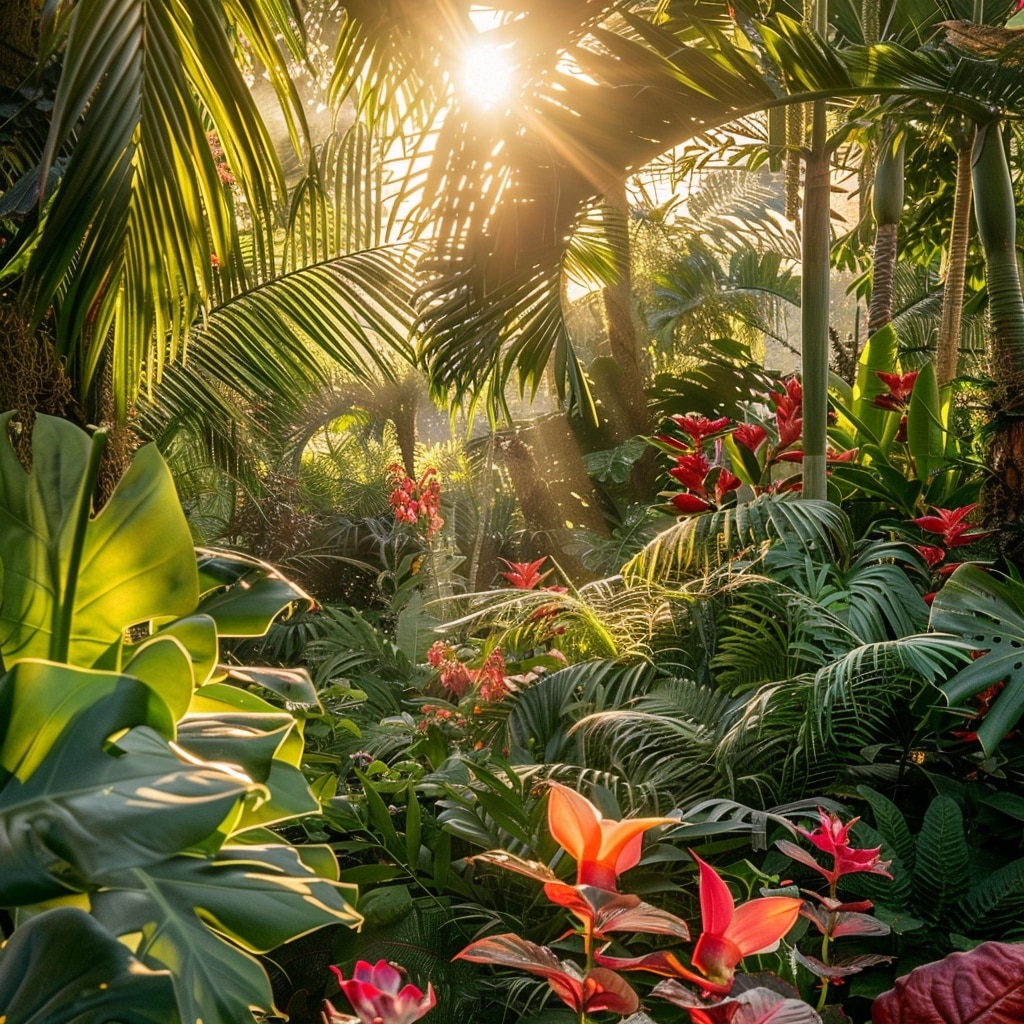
x,y
833,917
219,159
949,526
603,849
455,675
416,502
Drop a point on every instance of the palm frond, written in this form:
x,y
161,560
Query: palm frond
x,y
709,539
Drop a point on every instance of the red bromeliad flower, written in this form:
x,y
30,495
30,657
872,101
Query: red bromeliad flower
x,y
725,484
691,471
932,555
949,523
377,996
789,412
525,575
688,504
416,502
750,435
833,837
900,386
700,428
729,933
602,848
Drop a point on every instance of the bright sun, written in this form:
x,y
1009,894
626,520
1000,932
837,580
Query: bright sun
x,y
486,75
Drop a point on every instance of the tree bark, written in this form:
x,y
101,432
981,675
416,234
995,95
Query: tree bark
x,y
947,346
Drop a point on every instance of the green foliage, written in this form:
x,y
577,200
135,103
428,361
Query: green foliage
x,y
136,779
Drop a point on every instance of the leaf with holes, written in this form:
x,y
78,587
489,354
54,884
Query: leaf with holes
x,y
988,612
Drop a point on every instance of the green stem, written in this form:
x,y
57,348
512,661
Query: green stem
x,y
64,606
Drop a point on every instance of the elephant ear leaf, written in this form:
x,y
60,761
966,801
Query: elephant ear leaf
x,y
73,580
983,986
63,967
988,613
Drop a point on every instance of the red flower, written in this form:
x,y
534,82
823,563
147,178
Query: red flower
x,y
524,575
950,524
833,837
750,435
602,848
931,554
789,412
691,471
900,386
377,995
725,483
729,933
700,427
688,504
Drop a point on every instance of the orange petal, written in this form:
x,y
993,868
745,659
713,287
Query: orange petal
x,y
762,922
574,822
621,841
716,903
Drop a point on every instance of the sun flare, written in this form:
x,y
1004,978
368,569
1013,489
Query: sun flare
x,y
485,76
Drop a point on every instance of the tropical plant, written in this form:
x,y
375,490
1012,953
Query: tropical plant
x,y
141,777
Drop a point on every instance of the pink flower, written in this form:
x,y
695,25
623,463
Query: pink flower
x,y
750,435
950,524
377,995
833,838
700,427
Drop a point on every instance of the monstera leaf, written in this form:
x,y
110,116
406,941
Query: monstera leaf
x,y
90,976
73,579
987,612
194,915
86,810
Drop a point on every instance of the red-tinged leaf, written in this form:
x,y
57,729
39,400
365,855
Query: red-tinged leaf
x,y
530,868
599,991
755,1006
840,968
510,950
838,923
615,911
983,986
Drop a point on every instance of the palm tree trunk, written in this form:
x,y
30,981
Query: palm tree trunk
x,y
814,305
995,210
947,346
887,206
618,310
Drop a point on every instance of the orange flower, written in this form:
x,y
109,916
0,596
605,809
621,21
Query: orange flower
x,y
729,933
602,848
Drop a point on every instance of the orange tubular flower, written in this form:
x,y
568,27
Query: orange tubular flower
x,y
602,848
729,933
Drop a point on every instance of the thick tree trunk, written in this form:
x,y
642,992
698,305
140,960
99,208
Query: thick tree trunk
x,y
947,346
996,215
19,38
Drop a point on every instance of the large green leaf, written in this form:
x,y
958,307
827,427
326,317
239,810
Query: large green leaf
x,y
988,612
86,812
62,967
73,580
926,436
257,897
41,699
